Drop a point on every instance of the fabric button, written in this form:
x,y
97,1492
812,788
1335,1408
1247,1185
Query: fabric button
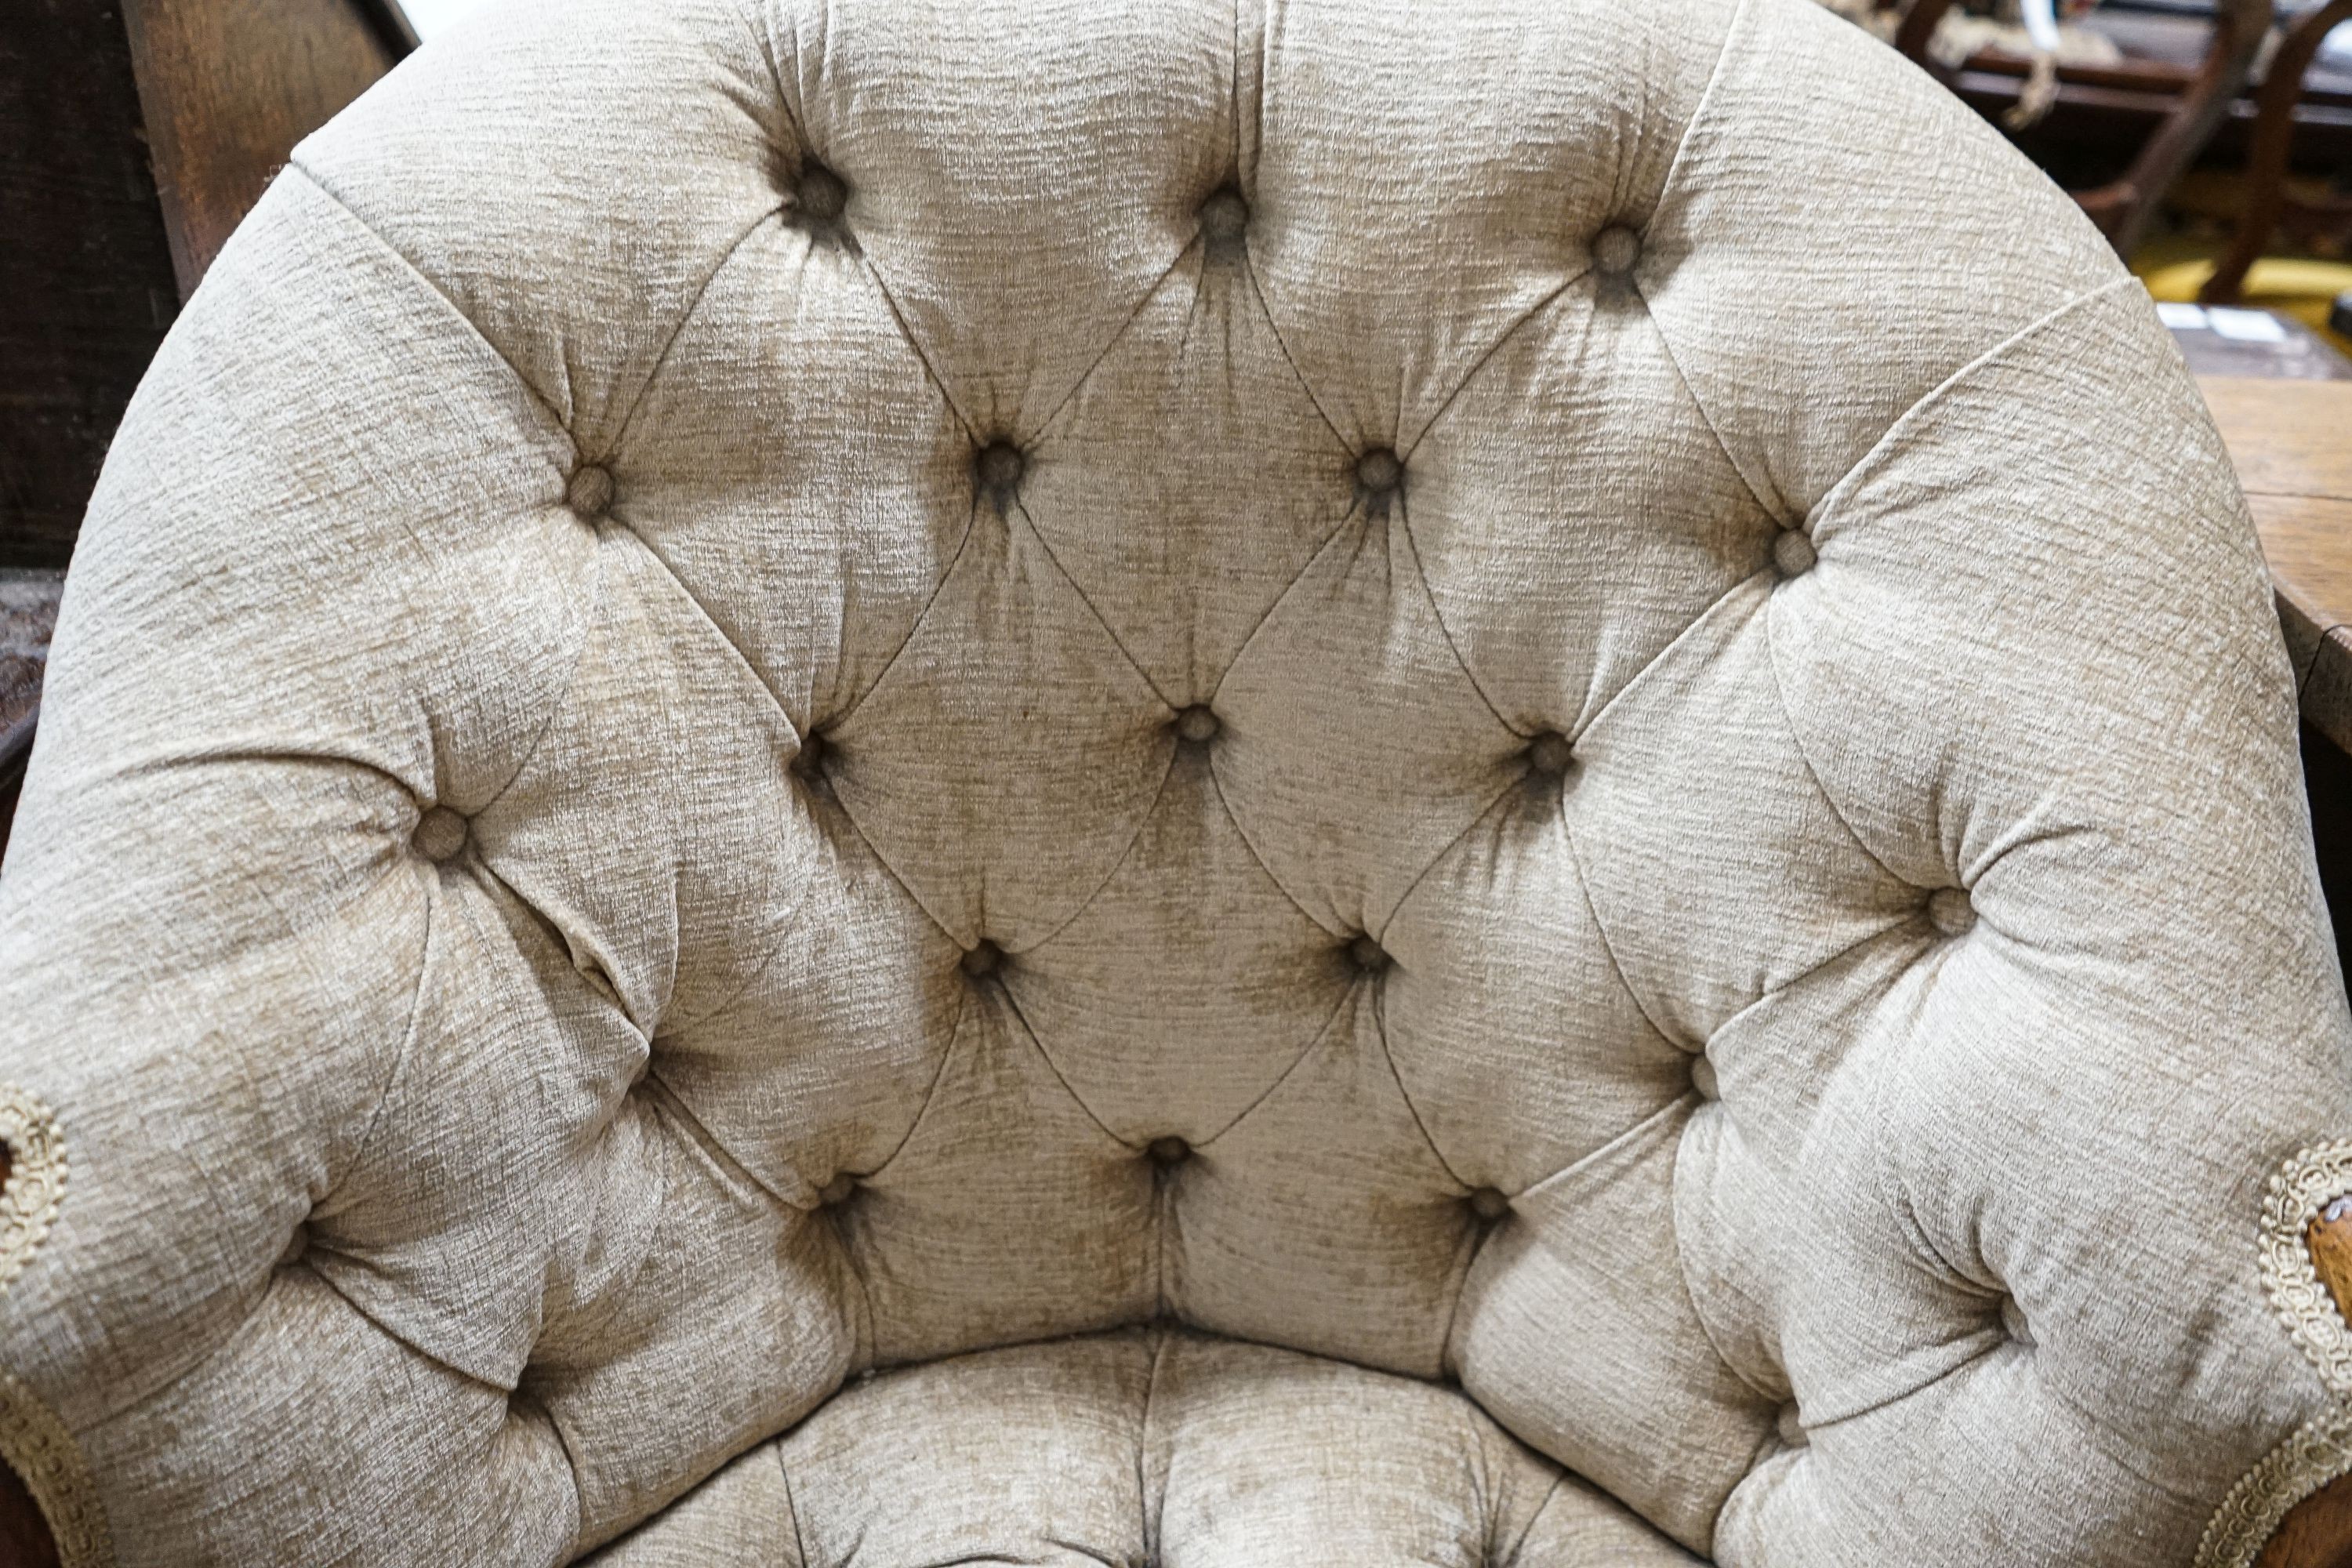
x,y
2012,1322
1551,754
837,1191
983,960
1703,1077
1197,724
1368,956
1793,552
999,467
820,194
1379,471
1616,249
441,833
1950,912
1791,1427
1224,218
590,491
1489,1204
1168,1150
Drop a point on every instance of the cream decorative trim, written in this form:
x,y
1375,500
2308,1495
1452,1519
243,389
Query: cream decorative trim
x,y
2309,1183
2314,1454
36,1177
37,1446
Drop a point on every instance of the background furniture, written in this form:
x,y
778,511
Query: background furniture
x,y
2268,200
1323,777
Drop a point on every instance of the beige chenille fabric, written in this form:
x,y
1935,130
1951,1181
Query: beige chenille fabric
x,y
915,781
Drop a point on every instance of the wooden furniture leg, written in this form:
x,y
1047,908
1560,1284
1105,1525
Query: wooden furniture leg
x,y
2266,165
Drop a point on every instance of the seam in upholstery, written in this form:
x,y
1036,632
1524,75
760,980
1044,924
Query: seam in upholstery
x,y
1668,189
1076,587
759,42
1149,1523
404,1340
563,1440
1485,355
1835,495
1608,946
318,183
37,1444
1142,824
1510,1558
1632,682
939,1076
915,627
1118,336
1893,925
401,1056
890,303
741,657
685,319
1257,288
1014,1006
1499,801
658,1088
1388,1057
1804,753
1690,1294
1251,846
1284,1077
1444,632
800,1541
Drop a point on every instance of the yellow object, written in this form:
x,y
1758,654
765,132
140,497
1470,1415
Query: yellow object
x,y
2291,286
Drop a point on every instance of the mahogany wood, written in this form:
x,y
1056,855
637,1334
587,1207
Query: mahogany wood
x,y
2266,165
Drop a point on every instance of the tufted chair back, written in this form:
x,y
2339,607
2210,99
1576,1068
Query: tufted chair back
x,y
915,781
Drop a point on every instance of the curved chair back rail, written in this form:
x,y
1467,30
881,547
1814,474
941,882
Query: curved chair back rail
x,y
914,780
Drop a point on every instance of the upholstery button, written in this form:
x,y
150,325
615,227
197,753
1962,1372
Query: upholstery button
x,y
1792,1425
1368,956
1551,754
837,1191
1793,552
2012,1322
440,833
983,960
1702,1077
1616,249
590,491
1224,218
1489,1204
999,469
1379,471
820,194
1168,1150
1197,724
1950,911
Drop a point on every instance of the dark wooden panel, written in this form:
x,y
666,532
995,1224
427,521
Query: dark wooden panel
x,y
86,281
227,87
2327,773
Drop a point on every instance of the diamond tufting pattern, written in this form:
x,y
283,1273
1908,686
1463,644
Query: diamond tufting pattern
x,y
918,781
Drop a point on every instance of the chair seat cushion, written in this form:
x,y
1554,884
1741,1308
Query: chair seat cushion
x,y
1144,1446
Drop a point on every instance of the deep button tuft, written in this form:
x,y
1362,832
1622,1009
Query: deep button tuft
x,y
1380,471
1615,250
1224,219
983,960
441,833
820,194
1198,724
837,1191
590,491
1793,552
815,748
1551,754
1950,911
998,468
1368,954
1792,1425
1489,1204
1168,1150
1702,1077
2013,1323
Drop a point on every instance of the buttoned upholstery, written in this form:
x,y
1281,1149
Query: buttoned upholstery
x,y
918,781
